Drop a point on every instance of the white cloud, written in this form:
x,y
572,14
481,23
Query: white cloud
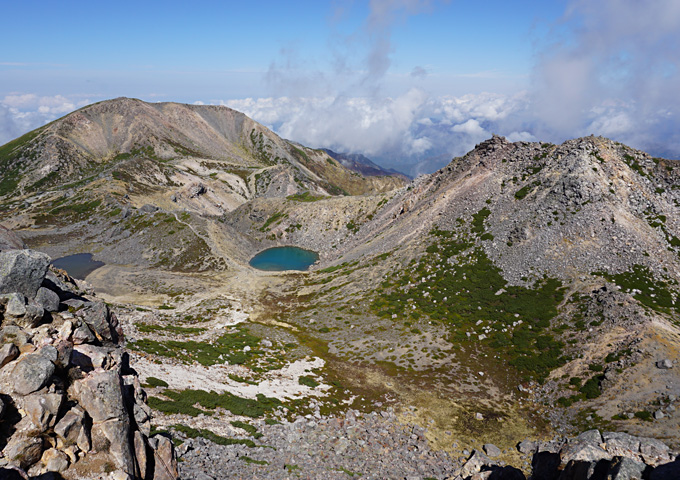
x,y
21,113
398,131
616,72
471,127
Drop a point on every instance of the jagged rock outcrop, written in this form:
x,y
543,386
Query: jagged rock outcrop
x,y
68,399
610,455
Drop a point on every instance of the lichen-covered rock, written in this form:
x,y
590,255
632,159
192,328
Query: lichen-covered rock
x,y
31,373
42,409
22,271
100,395
49,352
15,304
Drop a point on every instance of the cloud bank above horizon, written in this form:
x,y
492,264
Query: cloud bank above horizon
x,y
611,69
608,68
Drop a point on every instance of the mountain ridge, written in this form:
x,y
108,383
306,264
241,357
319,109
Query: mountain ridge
x,y
362,164
114,130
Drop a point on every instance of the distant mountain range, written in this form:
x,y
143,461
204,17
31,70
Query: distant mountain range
x,y
363,165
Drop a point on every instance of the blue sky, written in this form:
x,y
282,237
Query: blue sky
x,y
400,80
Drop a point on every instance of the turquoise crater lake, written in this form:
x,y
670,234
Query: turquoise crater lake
x,y
284,258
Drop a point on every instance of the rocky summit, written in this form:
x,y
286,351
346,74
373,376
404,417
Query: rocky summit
x,y
513,315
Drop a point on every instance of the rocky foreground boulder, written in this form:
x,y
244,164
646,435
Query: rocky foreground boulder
x,y
69,403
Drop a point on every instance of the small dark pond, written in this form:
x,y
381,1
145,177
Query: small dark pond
x,y
79,265
284,258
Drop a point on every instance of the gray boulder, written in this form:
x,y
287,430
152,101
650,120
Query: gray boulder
x,y
148,208
590,436
83,335
10,240
526,447
33,317
49,352
25,446
621,444
491,450
31,373
624,468
475,463
22,271
16,304
47,299
43,409
102,322
55,284
8,352
15,335
654,452
141,447
70,426
89,357
142,416
101,395
113,436
664,364
582,453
